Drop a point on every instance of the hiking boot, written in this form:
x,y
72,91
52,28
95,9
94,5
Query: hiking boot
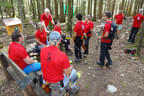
x,y
78,60
74,90
108,65
98,63
85,56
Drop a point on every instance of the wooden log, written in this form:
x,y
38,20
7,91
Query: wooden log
x,y
5,65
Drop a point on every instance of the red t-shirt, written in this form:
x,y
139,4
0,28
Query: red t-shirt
x,y
107,28
89,26
53,63
79,28
46,19
58,29
42,36
138,20
17,53
119,18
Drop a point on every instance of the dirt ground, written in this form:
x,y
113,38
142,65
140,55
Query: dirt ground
x,y
126,74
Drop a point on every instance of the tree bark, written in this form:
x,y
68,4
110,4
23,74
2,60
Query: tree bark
x,y
33,8
100,8
62,16
1,12
43,4
56,9
38,9
94,12
89,2
48,4
113,7
13,8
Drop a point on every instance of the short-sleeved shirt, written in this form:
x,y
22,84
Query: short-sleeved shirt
x,y
138,20
107,28
17,53
119,18
53,63
41,35
58,29
46,19
79,28
89,26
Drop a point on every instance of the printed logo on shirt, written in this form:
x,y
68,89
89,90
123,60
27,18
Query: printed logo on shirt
x,y
49,57
138,18
83,27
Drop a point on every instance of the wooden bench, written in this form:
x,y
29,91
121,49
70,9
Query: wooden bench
x,y
24,81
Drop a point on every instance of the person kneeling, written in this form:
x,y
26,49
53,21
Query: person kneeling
x,y
56,69
18,54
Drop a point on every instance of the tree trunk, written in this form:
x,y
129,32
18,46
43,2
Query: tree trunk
x,y
89,2
56,9
91,8
33,8
113,7
69,23
62,16
122,5
48,4
94,12
1,12
100,8
130,8
13,11
38,9
43,4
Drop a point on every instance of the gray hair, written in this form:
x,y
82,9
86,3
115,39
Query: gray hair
x,y
54,42
89,17
39,25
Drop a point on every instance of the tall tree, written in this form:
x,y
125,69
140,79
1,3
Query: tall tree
x,y
62,16
95,9
33,8
43,4
1,12
13,10
70,15
38,9
89,3
113,7
56,9
48,4
100,8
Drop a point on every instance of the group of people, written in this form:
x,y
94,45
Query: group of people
x,y
55,66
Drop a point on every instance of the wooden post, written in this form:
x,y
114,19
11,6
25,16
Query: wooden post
x,y
5,65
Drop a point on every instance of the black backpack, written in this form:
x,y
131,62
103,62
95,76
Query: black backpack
x,y
113,31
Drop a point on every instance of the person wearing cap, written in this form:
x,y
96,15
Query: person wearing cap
x,y
78,37
19,55
56,68
41,36
137,20
119,20
89,26
46,18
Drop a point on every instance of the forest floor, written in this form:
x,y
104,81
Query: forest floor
x,y
126,74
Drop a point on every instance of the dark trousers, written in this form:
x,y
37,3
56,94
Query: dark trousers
x,y
77,47
133,33
104,53
87,45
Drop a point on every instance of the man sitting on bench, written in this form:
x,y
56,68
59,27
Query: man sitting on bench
x,y
18,54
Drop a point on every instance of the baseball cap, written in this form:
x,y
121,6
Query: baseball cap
x,y
54,36
46,10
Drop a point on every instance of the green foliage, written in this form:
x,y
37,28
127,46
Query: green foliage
x,y
6,4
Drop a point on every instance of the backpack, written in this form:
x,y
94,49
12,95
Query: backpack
x,y
113,31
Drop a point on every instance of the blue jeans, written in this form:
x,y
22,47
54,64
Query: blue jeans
x,y
32,68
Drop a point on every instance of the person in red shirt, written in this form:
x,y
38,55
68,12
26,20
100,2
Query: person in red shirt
x,y
104,53
78,37
41,36
46,18
58,27
55,65
18,54
119,20
137,20
89,26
